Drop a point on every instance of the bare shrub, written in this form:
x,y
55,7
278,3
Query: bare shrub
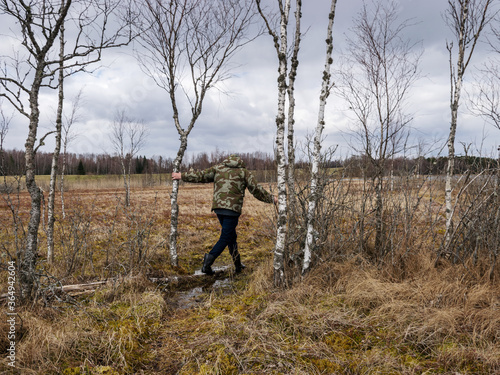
x,y
75,240
475,233
334,204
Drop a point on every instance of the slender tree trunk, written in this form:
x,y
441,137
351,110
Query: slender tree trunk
x,y
494,252
379,222
127,198
28,257
63,171
291,108
174,221
456,87
313,195
449,176
174,211
363,212
450,166
281,228
385,120
392,171
125,185
55,156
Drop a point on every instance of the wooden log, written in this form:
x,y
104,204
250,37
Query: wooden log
x,y
87,288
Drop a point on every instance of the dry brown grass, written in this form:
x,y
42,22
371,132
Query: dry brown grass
x,y
94,182
348,317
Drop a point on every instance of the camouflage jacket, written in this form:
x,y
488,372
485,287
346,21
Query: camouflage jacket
x,y
230,179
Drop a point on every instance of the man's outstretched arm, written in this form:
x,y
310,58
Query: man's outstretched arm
x,y
258,191
206,175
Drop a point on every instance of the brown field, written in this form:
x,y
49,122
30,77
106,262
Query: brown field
x,y
344,317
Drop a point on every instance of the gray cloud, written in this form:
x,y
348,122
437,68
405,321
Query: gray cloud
x,y
243,119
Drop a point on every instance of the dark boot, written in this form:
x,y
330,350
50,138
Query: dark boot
x,y
238,266
208,260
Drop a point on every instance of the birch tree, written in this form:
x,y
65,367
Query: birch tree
x,y
375,81
26,72
127,137
55,156
186,47
316,157
281,46
286,80
38,46
467,20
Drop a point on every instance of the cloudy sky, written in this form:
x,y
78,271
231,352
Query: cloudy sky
x,y
244,120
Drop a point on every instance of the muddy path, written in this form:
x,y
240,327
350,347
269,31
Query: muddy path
x,y
188,291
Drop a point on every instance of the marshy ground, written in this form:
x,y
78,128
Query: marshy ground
x,y
344,317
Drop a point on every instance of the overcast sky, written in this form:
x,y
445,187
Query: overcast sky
x,y
244,121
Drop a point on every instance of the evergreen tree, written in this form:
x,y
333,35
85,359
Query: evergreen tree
x,y
139,166
80,170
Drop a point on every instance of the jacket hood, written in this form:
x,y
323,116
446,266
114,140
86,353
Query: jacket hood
x,y
234,161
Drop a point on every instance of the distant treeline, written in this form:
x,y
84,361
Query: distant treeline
x,y
357,166
12,162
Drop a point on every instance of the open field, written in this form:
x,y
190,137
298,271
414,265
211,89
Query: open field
x,y
88,182
345,317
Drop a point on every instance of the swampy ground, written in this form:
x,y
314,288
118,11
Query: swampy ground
x,y
346,316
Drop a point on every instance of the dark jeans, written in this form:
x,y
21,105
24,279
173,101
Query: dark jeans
x,y
227,234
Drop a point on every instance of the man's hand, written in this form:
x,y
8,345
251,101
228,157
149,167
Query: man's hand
x,y
176,176
275,199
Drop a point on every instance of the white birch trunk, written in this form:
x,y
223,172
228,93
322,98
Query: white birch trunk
x,y
281,227
63,171
313,197
174,221
291,108
449,176
174,207
28,256
55,157
456,87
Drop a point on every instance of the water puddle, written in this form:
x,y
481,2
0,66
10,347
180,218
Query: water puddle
x,y
189,298
192,297
188,291
215,269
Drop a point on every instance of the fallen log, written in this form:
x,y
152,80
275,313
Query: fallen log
x,y
88,288
72,290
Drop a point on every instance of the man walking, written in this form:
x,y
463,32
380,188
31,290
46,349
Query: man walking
x,y
230,179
